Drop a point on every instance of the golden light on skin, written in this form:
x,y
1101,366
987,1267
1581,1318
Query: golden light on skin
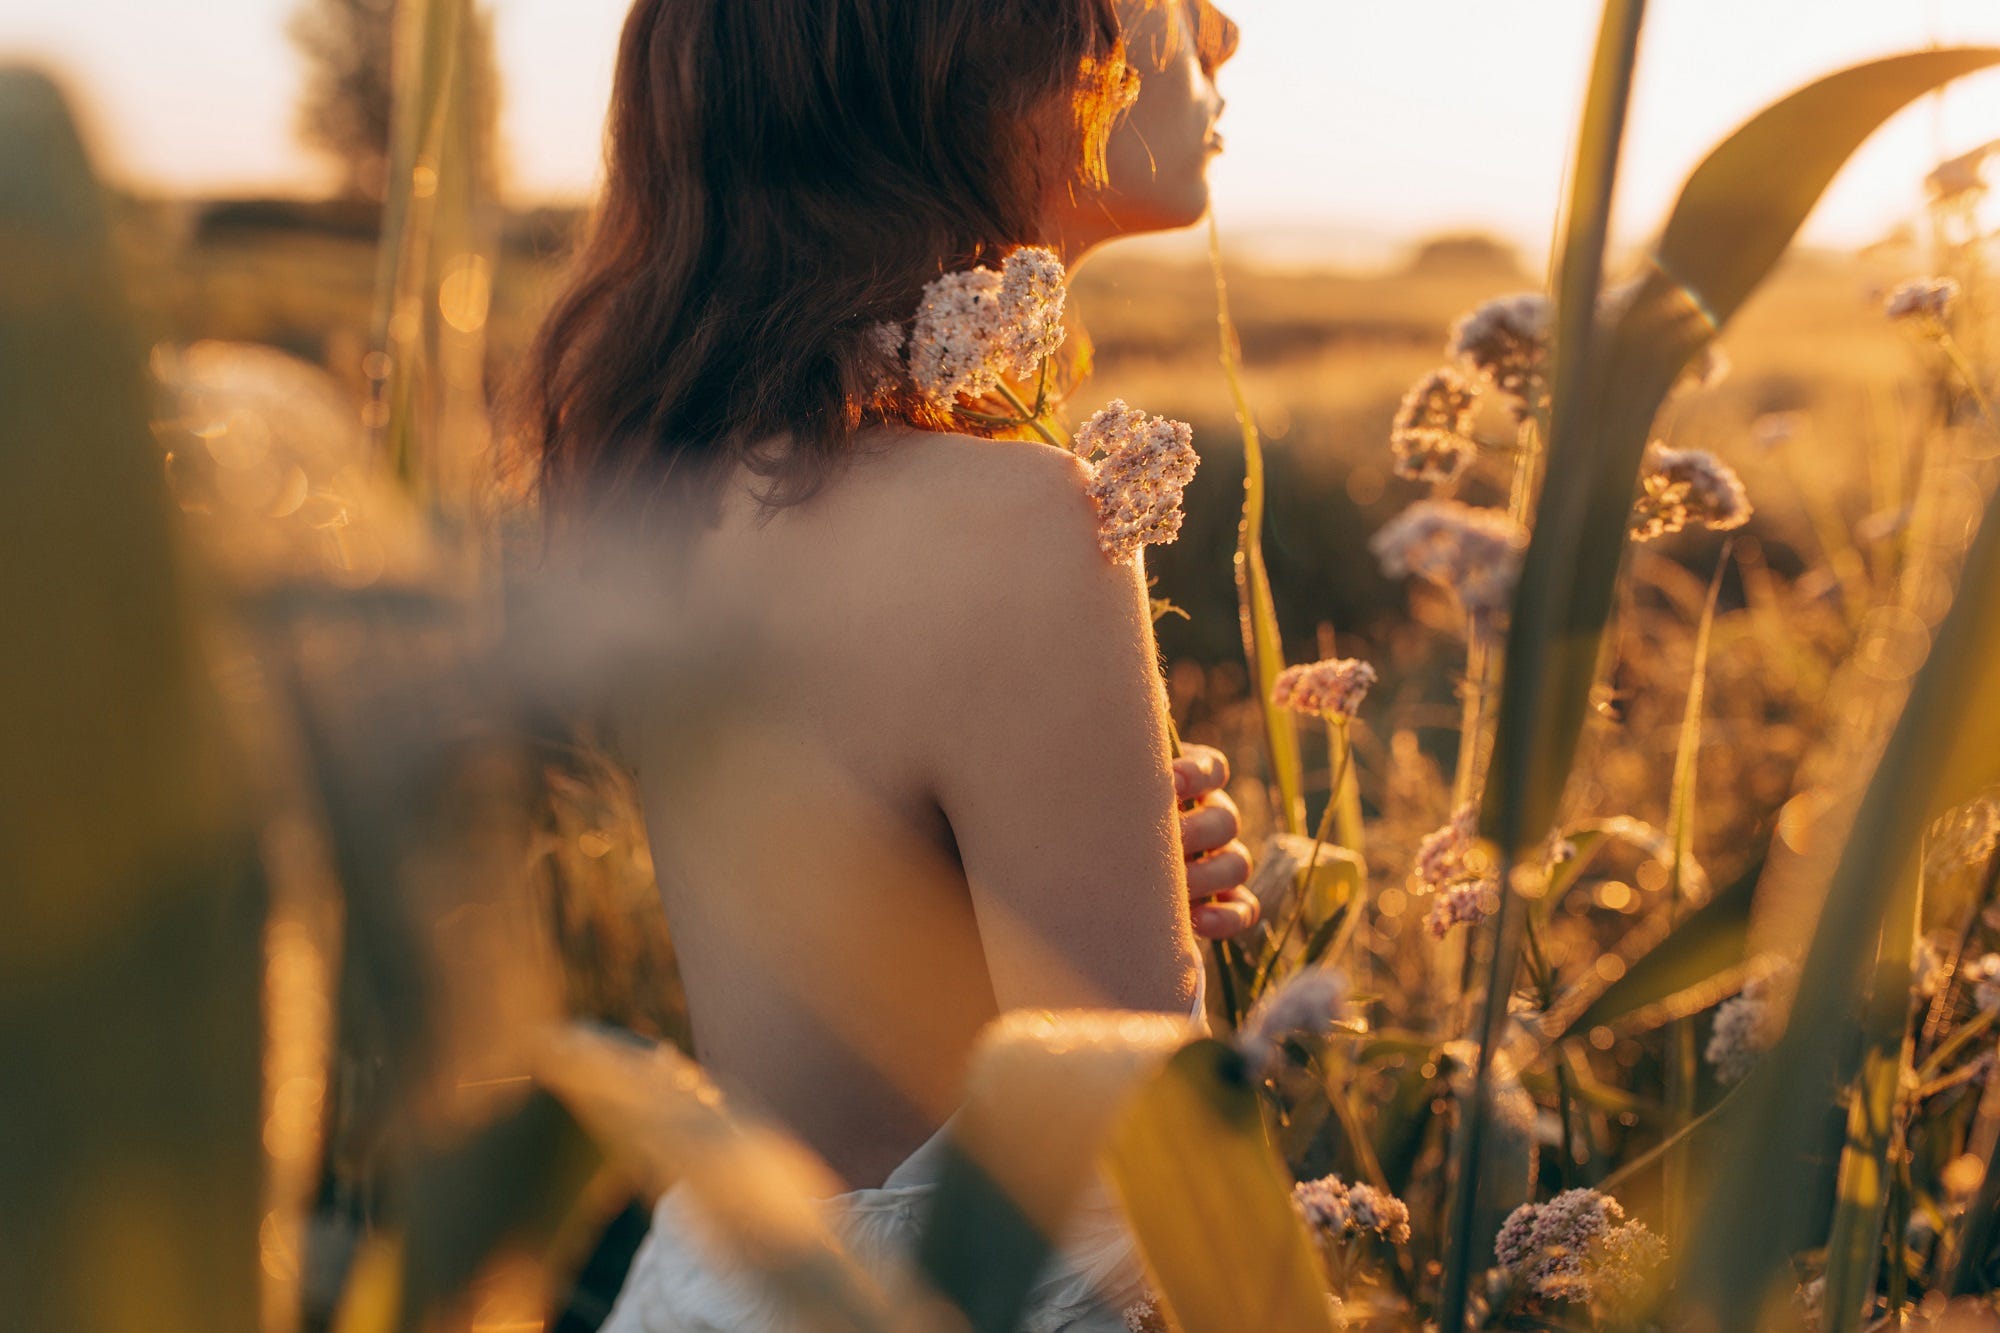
x,y
1348,125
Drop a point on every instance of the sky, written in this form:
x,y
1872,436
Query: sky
x,y
1352,124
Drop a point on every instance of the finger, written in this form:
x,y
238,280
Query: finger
x,y
1226,915
1199,769
1219,872
1209,826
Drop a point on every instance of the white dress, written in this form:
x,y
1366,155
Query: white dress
x,y
678,1284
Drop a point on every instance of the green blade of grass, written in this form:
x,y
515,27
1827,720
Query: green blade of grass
x,y
1256,1271
1683,1068
1518,795
1945,748
434,270
1862,1192
1704,950
1263,642
1735,217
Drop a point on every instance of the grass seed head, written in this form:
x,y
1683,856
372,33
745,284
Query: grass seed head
x,y
1506,343
1476,553
1332,689
1683,487
1432,433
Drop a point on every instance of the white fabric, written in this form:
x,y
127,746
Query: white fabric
x,y
679,1285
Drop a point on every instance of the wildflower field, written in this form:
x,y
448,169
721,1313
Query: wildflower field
x,y
1606,660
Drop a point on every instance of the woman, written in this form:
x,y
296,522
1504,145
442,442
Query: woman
x,y
941,787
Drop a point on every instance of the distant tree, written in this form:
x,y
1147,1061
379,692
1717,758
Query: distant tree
x,y
1467,252
346,107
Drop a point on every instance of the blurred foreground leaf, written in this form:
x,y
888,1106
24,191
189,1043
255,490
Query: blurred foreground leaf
x,y
130,963
1944,749
1255,1270
756,1190
1044,1091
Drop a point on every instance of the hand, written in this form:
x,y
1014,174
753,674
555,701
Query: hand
x,y
1218,862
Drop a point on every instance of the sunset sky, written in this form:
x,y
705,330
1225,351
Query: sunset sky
x,y
1349,123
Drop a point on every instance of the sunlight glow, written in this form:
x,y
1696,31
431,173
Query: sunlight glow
x,y
1351,128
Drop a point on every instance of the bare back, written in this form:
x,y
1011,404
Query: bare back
x,y
935,786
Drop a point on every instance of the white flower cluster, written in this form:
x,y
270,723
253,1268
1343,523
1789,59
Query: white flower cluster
x,y
1138,486
1330,689
1579,1247
1143,1316
976,327
1751,1023
1337,1210
1453,867
1923,298
1476,553
1432,432
1687,486
1311,1005
1506,342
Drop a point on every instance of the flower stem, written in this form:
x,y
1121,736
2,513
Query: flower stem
x,y
1029,417
1304,886
1963,365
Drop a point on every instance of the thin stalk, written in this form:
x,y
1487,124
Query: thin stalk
x,y
1970,1032
1302,889
1611,1183
1472,712
1956,354
1899,1222
1586,227
1345,794
1683,1059
1029,417
1263,645
1545,990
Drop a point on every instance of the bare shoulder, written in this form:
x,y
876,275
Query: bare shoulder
x,y
987,507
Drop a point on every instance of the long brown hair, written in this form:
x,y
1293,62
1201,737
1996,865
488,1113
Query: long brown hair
x,y
782,177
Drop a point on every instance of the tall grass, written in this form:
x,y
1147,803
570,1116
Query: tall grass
x,y
464,1122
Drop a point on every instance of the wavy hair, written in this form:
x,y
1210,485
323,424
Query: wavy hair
x,y
782,177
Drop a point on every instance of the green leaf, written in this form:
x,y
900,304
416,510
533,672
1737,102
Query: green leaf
x,y
1225,1248
1526,776
434,280
1669,971
758,1190
1591,837
1683,1067
1043,1095
1735,218
1941,751
1263,641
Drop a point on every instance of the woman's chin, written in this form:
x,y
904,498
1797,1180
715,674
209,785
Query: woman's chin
x,y
1167,210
